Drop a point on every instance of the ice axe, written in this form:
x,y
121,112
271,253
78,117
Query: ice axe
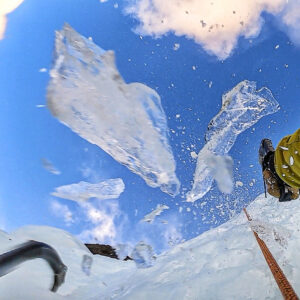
x,y
31,250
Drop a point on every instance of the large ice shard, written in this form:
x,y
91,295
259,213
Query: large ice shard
x,y
87,93
82,191
242,107
156,212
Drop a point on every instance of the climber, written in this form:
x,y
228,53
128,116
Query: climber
x,y
281,167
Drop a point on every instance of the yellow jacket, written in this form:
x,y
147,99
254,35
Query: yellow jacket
x,y
287,159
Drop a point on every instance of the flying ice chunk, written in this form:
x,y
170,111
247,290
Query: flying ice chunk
x,y
220,168
87,94
151,216
143,255
241,108
86,264
123,250
82,191
49,166
176,46
239,184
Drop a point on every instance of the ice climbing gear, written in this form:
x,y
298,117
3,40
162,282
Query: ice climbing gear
x,y
31,250
265,150
266,159
285,287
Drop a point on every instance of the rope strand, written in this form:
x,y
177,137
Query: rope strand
x,y
285,287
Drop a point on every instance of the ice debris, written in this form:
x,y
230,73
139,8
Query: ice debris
x,y
194,155
239,184
176,46
156,212
241,108
87,94
82,191
49,166
271,233
143,255
86,264
220,168
123,250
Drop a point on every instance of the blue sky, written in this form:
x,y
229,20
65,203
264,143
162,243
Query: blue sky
x,y
181,77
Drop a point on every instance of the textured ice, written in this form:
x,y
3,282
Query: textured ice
x,y
82,191
87,93
143,255
156,212
241,108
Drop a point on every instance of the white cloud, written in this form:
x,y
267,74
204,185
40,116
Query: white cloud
x,y
215,24
102,218
6,6
106,223
291,19
62,211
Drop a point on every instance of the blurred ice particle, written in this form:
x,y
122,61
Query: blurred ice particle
x,y
86,264
143,255
49,166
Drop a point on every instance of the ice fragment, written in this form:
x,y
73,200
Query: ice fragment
x,y
87,94
241,108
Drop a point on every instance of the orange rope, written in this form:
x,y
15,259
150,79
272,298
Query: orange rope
x,y
286,289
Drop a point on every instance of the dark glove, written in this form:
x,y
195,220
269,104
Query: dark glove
x,y
285,194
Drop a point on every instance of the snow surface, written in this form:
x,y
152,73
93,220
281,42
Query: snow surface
x,y
223,263
87,93
83,191
241,108
156,212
